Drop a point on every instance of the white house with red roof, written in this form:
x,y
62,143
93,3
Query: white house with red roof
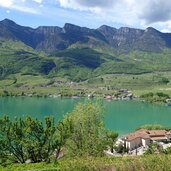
x,y
145,137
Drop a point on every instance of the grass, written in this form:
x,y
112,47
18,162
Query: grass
x,y
139,84
143,163
40,85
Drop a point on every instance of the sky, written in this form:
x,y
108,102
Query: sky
x,y
89,13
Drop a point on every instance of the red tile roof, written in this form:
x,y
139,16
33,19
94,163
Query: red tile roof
x,y
148,134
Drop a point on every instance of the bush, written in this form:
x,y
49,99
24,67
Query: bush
x,y
152,127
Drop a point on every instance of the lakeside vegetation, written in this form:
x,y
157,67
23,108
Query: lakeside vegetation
x,y
151,127
80,134
158,97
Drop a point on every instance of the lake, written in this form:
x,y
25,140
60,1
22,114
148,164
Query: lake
x,y
121,116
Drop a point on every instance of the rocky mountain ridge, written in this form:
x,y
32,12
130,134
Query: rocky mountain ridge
x,y
53,38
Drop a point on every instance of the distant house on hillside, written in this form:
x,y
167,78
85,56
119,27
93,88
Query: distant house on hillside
x,y
145,137
108,97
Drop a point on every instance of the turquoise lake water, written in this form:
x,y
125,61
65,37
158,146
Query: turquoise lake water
x,y
121,116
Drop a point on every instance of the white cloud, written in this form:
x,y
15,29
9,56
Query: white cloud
x,y
23,8
19,5
131,13
128,12
156,11
88,5
165,30
38,1
163,26
6,3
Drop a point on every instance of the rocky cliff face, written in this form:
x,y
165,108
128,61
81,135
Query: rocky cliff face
x,y
130,38
50,39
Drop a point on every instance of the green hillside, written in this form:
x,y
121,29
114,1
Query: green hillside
x,y
78,63
23,69
16,57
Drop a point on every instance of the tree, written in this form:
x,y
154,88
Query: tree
x,y
111,136
11,137
86,130
40,142
164,80
153,149
61,136
29,138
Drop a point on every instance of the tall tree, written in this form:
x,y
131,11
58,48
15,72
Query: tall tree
x,y
86,130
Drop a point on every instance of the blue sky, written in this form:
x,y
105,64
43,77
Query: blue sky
x,y
89,13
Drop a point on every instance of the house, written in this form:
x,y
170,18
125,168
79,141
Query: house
x,y
123,90
158,135
145,137
168,100
108,97
90,96
136,139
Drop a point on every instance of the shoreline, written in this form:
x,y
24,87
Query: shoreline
x,y
86,97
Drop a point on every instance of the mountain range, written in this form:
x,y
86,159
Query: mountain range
x,y
48,38
79,52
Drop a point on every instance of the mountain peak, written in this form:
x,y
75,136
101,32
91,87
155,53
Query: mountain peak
x,y
70,26
106,26
151,29
105,29
7,21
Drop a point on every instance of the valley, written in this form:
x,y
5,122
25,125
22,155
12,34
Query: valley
x,y
99,61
